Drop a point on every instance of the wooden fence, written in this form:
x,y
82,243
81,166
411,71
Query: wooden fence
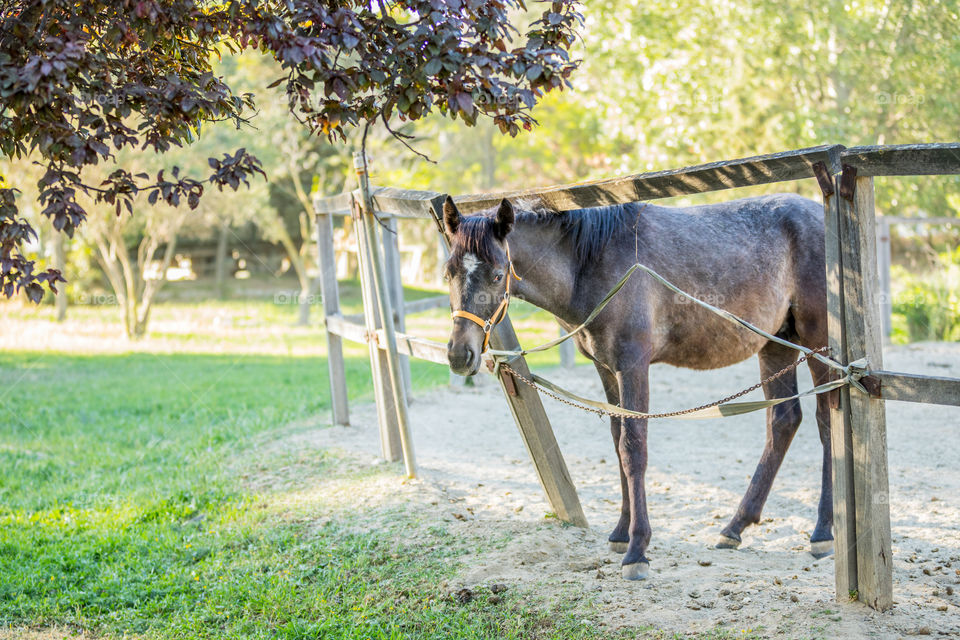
x,y
884,257
845,177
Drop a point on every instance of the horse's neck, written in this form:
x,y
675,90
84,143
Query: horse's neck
x,y
543,257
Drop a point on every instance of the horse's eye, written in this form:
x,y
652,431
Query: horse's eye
x,y
497,277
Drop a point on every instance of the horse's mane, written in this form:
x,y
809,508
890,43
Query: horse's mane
x,y
590,229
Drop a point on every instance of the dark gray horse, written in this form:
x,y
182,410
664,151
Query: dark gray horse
x,y
759,258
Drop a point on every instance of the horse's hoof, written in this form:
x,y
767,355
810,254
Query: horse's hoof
x,y
618,547
821,549
726,542
635,571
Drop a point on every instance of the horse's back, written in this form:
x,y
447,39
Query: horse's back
x,y
756,257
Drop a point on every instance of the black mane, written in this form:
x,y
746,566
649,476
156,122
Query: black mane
x,y
590,229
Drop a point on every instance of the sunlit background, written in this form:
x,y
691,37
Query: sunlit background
x,y
181,334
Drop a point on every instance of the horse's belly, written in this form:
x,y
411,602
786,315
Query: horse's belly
x,y
711,343
693,358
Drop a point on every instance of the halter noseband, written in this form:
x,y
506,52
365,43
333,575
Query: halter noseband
x,y
499,314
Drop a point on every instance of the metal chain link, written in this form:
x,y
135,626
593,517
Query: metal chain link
x,y
669,414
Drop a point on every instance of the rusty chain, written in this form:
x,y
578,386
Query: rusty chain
x,y
669,414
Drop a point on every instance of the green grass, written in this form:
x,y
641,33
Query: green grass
x,y
123,507
129,507
123,510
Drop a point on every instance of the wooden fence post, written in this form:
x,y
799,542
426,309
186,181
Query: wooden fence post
x,y
883,256
867,416
841,445
329,290
393,267
537,434
386,412
381,294
568,352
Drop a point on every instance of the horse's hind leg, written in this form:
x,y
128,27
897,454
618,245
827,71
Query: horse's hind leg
x,y
782,422
821,540
621,533
811,328
634,394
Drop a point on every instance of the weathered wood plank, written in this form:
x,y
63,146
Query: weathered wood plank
x,y
381,298
407,344
861,322
426,304
883,266
422,348
904,159
393,268
347,328
910,387
334,205
331,307
405,203
537,434
531,418
841,445
386,409
715,176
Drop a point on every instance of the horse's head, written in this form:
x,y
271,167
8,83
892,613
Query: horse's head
x,y
479,272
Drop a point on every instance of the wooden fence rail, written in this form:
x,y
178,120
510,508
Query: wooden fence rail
x,y
858,433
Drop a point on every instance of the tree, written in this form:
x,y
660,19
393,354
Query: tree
x,y
697,81
306,161
80,81
134,287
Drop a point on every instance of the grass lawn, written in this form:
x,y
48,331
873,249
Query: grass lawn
x,y
128,509
123,506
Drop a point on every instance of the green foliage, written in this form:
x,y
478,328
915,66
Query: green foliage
x,y
82,82
667,84
926,306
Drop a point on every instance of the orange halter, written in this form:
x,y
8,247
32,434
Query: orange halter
x,y
499,314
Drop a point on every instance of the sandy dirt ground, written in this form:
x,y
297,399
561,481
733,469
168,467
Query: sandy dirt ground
x,y
477,479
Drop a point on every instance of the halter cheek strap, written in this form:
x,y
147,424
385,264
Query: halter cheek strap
x,y
499,314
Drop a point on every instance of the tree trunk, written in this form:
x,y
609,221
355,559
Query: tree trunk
x,y
303,316
150,290
307,288
60,263
221,261
135,294
297,262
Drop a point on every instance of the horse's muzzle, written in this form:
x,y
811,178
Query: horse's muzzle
x,y
464,360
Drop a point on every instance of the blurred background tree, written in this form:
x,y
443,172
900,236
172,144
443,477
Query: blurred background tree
x,y
662,85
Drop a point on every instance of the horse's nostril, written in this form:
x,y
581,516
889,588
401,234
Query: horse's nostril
x,y
469,355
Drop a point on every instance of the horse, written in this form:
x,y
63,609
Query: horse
x,y
761,258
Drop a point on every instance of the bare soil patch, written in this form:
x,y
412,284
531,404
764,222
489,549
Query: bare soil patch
x,y
477,479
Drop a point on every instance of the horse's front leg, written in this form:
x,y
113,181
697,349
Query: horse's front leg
x,y
634,395
621,533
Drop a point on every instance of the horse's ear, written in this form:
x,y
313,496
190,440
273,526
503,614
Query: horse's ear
x,y
451,217
503,223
